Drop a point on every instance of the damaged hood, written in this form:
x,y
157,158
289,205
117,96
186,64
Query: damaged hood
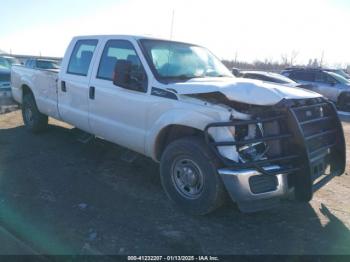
x,y
247,91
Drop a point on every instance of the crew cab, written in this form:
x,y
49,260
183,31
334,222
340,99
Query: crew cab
x,y
214,135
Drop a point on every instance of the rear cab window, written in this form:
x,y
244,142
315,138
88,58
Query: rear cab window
x,y
80,60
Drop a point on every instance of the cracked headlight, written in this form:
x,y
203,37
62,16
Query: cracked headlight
x,y
253,151
232,130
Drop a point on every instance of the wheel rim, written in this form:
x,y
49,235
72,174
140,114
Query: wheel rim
x,y
187,178
28,113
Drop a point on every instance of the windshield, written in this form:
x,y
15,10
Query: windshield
x,y
339,78
172,60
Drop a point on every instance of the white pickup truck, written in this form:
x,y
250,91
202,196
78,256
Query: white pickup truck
x,y
213,134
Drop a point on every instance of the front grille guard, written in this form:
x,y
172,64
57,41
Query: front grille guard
x,y
301,159
254,164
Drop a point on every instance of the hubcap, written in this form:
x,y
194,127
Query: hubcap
x,y
187,178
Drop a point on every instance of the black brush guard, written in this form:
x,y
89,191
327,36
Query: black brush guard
x,y
311,136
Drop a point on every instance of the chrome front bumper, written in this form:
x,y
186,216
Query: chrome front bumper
x,y
239,187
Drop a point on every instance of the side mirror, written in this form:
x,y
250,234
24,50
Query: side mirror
x,y
121,74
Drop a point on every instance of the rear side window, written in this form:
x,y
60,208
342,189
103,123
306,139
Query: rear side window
x,y
81,57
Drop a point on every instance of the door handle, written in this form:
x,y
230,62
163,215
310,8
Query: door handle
x,y
63,86
92,92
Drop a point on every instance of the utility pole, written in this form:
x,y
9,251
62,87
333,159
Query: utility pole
x,y
172,25
322,58
236,56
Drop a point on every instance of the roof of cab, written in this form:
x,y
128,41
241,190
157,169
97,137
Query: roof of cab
x,y
136,37
128,37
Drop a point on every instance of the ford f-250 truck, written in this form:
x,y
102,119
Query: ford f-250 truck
x,y
213,134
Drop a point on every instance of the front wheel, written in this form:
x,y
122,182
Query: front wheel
x,y
32,118
189,176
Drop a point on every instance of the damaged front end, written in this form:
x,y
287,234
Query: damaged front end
x,y
295,146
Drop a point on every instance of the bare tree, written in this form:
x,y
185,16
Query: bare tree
x,y
284,59
293,57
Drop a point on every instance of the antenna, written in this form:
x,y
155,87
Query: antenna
x,y
172,25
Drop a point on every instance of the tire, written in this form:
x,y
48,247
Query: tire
x,y
33,120
188,166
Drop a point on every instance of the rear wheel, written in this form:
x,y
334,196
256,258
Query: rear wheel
x,y
34,120
189,176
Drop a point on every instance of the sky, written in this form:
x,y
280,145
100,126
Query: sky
x,y
246,30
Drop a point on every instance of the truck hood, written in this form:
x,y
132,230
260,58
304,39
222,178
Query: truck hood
x,y
247,91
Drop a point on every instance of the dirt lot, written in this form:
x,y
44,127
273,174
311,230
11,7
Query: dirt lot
x,y
61,196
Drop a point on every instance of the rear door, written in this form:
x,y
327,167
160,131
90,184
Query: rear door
x,y
73,84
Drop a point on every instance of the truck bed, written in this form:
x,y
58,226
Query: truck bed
x,y
43,84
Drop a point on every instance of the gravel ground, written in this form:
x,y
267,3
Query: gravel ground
x,y
61,196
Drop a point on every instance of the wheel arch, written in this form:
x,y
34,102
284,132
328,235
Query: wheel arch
x,y
26,90
171,133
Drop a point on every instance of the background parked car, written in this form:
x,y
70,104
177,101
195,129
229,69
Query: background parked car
x,y
5,78
331,85
236,72
6,101
42,64
8,61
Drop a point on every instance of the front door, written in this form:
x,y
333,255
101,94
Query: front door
x,y
118,114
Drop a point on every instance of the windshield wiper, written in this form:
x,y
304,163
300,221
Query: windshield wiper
x,y
183,77
221,76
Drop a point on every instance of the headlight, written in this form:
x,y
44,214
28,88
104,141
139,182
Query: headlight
x,y
232,130
253,151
